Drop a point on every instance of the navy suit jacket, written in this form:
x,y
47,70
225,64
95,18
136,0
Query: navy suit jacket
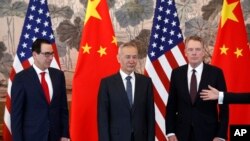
x,y
116,119
202,116
32,118
236,98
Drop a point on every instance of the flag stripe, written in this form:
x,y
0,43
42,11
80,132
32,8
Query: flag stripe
x,y
56,59
156,80
161,74
166,66
159,103
160,119
12,74
178,53
159,134
26,64
17,65
173,63
6,132
8,102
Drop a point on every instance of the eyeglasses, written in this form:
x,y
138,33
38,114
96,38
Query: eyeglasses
x,y
47,54
194,49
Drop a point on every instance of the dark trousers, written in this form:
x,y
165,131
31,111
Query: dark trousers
x,y
191,135
132,137
49,137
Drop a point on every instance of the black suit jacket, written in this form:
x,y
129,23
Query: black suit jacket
x,y
116,119
202,116
236,98
32,118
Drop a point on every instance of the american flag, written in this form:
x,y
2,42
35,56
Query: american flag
x,y
166,51
37,24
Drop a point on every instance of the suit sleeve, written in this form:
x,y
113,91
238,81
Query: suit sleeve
x,y
17,109
171,107
64,109
103,112
236,98
151,113
223,109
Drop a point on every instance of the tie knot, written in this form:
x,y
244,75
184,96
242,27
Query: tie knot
x,y
193,70
42,73
128,78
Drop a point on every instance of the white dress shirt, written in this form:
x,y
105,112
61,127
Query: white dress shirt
x,y
198,73
124,75
47,78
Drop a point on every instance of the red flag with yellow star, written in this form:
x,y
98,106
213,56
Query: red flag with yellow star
x,y
231,53
96,59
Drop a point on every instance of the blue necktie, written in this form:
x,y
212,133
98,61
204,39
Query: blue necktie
x,y
129,89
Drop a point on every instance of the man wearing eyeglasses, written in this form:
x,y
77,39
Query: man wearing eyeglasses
x,y
39,109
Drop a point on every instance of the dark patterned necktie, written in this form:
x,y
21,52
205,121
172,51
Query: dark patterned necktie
x,y
193,86
129,89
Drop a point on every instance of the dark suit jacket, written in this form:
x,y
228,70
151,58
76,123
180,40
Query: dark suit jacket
x,y
202,116
236,98
32,118
116,119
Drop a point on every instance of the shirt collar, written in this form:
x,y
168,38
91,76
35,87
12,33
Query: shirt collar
x,y
198,68
124,75
38,71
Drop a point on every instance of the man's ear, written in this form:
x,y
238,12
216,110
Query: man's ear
x,y
34,54
118,58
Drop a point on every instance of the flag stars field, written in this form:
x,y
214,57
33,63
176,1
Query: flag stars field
x,y
231,46
238,52
86,49
227,12
114,40
91,10
102,51
98,49
223,50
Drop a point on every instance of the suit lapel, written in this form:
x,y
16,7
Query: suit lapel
x,y
137,88
185,81
54,83
37,84
121,89
204,77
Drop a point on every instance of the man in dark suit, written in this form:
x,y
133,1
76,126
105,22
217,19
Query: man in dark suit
x,y
188,118
39,110
125,102
225,97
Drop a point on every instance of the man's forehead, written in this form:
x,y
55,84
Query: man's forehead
x,y
194,45
46,46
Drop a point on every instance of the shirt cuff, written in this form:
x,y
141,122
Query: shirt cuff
x,y
170,134
222,139
221,97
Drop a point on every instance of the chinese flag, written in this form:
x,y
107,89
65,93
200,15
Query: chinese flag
x,y
96,59
231,53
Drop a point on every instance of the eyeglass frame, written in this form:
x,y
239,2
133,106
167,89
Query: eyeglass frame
x,y
47,54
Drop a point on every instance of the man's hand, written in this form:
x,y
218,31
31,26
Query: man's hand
x,y
172,138
64,139
218,139
210,94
